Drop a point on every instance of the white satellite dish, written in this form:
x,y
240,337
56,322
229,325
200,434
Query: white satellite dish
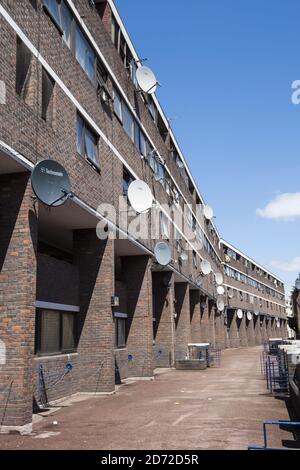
x,y
146,80
278,324
140,196
205,267
249,316
184,256
240,313
256,313
162,253
220,305
230,292
208,212
220,290
179,162
219,279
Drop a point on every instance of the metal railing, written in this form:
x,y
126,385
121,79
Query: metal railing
x,y
288,424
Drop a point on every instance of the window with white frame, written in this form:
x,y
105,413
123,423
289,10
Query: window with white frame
x,y
164,226
87,142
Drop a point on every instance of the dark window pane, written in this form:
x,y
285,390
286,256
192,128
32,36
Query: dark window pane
x,y
120,325
50,332
68,331
91,146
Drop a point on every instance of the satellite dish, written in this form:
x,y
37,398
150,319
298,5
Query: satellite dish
x,y
140,196
219,279
249,316
208,212
278,324
220,290
256,313
146,80
205,267
184,256
240,314
50,183
220,305
230,292
162,253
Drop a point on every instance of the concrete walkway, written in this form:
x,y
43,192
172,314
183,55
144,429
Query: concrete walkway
x,y
215,409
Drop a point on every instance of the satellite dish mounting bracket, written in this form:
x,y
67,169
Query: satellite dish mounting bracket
x,y
66,194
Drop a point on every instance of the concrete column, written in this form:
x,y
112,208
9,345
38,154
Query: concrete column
x,y
242,331
269,328
95,261
204,319
250,332
257,330
283,328
274,329
18,241
220,331
233,333
182,322
163,313
211,324
138,277
264,333
195,306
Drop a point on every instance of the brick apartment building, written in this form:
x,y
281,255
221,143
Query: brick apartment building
x,y
69,70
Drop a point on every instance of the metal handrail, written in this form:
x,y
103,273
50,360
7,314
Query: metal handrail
x,y
273,423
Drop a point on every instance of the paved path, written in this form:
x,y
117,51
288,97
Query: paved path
x,y
214,409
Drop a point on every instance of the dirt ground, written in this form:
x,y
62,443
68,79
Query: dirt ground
x,y
220,409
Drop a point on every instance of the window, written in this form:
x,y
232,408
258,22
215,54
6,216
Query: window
x,y
127,180
164,226
195,259
47,96
120,330
55,332
161,173
128,122
66,23
87,142
77,42
152,109
23,68
85,54
52,7
118,105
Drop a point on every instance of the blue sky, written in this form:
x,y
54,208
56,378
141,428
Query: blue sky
x,y
226,69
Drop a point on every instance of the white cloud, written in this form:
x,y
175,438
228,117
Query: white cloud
x,y
292,266
285,206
